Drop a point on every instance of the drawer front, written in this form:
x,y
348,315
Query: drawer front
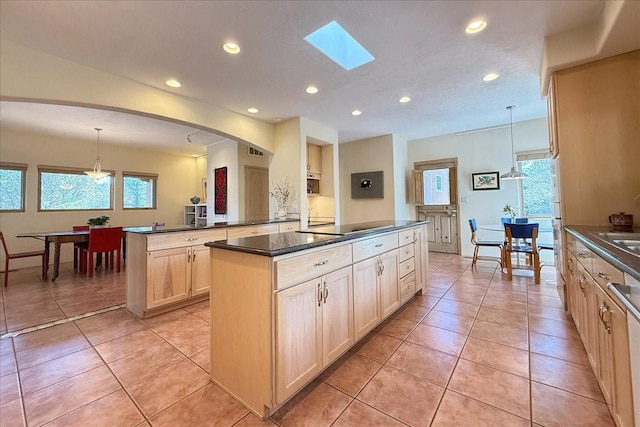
x,y
407,251
374,246
584,256
571,243
604,273
288,226
407,287
161,241
406,237
251,230
300,268
408,266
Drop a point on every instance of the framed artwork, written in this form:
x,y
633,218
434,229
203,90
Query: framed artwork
x,y
485,181
220,193
204,189
367,185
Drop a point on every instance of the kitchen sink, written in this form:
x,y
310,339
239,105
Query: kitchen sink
x,y
628,242
621,236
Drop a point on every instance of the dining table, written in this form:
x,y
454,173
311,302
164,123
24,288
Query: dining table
x,y
58,238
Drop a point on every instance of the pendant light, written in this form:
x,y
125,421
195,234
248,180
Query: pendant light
x,y
513,173
97,172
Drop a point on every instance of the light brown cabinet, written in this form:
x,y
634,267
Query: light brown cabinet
x,y
252,230
314,159
314,326
602,325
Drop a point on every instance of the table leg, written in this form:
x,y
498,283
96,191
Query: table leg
x,y
47,243
56,262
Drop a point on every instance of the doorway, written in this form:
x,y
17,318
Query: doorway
x,y
436,192
256,193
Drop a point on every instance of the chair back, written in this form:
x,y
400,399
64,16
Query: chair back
x,y
522,220
505,220
4,245
521,231
80,227
105,239
473,225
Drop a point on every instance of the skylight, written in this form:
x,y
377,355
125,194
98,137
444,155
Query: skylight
x,y
339,46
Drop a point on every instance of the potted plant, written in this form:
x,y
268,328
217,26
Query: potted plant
x,y
512,211
283,192
99,221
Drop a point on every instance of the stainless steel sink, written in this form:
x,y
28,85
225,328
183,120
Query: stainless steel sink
x,y
628,242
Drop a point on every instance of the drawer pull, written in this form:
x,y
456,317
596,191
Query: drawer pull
x,y
320,263
379,245
255,232
581,255
603,276
191,239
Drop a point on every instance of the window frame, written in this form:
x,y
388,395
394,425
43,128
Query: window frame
x,y
22,167
72,171
142,175
522,157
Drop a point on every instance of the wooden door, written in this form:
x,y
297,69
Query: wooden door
x,y
366,306
389,283
337,314
256,193
200,271
298,337
168,276
442,230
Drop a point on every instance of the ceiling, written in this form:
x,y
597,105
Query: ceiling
x,y
420,50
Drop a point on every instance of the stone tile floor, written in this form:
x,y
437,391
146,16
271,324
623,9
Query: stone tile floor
x,y
476,350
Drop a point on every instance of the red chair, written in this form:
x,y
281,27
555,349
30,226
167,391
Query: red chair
x,y
104,240
77,250
9,256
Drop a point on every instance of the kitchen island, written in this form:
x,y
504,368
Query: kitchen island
x,y
168,267
285,306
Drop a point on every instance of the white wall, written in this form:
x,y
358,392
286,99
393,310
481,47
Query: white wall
x,y
401,179
481,152
178,179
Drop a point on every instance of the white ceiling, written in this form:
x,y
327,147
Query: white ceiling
x,y
420,50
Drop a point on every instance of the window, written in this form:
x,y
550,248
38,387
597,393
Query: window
x,y
536,191
66,189
436,187
12,186
138,190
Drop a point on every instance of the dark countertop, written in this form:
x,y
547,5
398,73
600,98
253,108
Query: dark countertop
x,y
294,241
162,229
624,261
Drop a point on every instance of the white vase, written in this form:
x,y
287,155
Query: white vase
x,y
282,212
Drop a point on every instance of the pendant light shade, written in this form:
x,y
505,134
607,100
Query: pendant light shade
x,y
513,173
97,172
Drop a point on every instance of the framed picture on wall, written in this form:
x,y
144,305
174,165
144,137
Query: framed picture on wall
x,y
485,181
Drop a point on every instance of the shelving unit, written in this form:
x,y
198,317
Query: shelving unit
x,y
195,214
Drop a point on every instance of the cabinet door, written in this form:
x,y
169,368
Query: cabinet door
x,y
422,258
168,276
573,291
200,271
389,283
337,314
605,357
314,158
622,388
298,337
366,306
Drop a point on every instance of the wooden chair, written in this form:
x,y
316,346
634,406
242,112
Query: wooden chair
x,y
484,243
10,256
77,250
515,233
104,240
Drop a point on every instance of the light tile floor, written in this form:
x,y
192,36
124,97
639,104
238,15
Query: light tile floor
x,y
476,350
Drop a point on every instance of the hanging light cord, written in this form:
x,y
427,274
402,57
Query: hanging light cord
x,y
511,107
97,166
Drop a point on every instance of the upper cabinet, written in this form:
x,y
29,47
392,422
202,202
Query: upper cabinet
x,y
551,110
314,159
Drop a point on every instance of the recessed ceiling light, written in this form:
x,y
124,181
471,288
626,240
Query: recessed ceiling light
x,y
311,89
356,112
173,83
195,155
476,26
404,99
253,110
276,120
231,47
490,76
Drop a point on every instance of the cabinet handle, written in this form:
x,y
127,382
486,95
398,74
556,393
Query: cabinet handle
x,y
193,256
580,282
320,263
191,239
379,245
415,238
601,311
326,293
603,276
188,255
581,255
319,295
255,232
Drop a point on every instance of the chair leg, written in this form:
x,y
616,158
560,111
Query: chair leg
x,y
118,260
75,257
536,269
90,266
475,257
507,258
6,272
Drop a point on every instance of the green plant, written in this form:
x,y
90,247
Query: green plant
x,y
512,211
99,220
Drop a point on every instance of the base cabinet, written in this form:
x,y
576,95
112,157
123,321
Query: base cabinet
x,y
168,277
313,327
